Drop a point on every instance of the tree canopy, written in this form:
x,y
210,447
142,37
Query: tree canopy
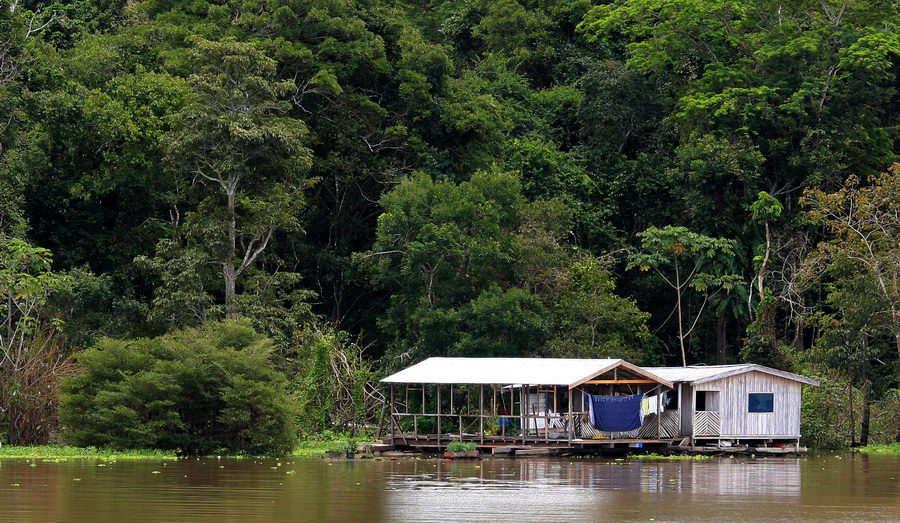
x,y
673,182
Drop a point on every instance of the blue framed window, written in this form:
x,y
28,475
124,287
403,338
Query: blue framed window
x,y
761,402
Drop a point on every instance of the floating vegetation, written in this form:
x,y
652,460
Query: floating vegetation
x,y
891,448
673,456
57,453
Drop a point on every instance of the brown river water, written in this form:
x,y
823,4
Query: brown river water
x,y
823,487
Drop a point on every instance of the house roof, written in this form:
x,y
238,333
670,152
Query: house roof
x,y
697,374
509,371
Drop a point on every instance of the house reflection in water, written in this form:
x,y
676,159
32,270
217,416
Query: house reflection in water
x,y
539,489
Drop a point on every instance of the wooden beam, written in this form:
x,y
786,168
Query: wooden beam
x,y
439,415
481,411
393,416
616,382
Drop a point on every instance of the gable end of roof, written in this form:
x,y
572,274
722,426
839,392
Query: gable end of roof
x,y
758,368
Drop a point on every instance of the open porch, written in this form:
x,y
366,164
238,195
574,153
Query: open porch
x,y
500,403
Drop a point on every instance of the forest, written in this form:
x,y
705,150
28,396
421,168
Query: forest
x,y
240,214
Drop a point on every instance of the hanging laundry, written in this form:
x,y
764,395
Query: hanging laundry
x,y
615,413
649,405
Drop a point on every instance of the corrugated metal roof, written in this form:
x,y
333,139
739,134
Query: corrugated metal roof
x,y
562,371
505,371
703,373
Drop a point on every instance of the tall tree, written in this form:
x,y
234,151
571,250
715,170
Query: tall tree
x,y
863,223
244,158
685,260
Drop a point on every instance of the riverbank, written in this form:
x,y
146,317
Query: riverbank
x,y
892,449
65,452
313,448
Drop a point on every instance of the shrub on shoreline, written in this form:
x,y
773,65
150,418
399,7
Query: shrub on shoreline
x,y
210,390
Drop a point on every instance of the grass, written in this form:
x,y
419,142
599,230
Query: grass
x,y
305,448
673,456
64,452
890,448
315,448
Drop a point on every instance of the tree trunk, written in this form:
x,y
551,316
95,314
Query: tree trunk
x,y
852,417
230,286
230,272
721,339
798,332
866,415
761,275
680,322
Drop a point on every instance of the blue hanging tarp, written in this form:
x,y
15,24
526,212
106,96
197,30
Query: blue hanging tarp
x,y
615,413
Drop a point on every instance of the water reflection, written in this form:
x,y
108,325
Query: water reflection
x,y
828,487
725,476
769,489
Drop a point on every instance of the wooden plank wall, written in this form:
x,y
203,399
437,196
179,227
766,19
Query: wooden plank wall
x,y
737,421
686,407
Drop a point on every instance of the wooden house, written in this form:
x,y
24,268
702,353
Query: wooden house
x,y
525,403
733,404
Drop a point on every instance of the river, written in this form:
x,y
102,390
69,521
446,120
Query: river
x,y
837,487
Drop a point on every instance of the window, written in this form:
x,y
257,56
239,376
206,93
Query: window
x,y
761,402
670,400
707,400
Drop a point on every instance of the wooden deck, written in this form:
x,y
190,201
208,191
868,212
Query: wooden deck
x,y
487,442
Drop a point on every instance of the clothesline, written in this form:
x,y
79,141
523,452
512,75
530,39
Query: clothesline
x,y
622,413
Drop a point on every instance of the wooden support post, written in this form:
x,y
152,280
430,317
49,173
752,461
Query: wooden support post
x,y
555,402
680,412
658,413
451,398
522,410
546,421
692,412
494,394
393,418
481,412
439,414
571,430
459,415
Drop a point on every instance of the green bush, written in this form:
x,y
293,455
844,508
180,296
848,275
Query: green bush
x,y
461,446
199,391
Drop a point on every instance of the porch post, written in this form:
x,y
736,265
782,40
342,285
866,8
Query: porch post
x,y
693,413
481,411
438,414
522,410
393,419
680,411
571,417
658,413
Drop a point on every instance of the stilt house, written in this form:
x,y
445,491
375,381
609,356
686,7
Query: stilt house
x,y
549,402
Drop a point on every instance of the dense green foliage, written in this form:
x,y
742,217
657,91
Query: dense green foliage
x,y
664,181
204,391
461,446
